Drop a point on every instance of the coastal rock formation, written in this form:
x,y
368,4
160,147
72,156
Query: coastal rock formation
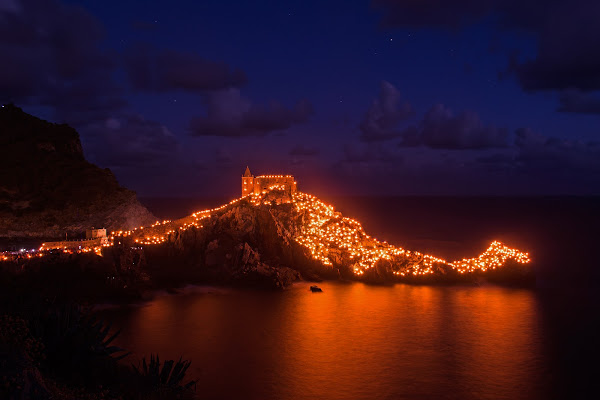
x,y
273,239
242,245
252,243
47,187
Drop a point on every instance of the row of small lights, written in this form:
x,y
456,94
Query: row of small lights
x,y
198,216
325,231
161,238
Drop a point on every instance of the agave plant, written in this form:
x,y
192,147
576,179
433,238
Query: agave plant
x,y
164,381
74,339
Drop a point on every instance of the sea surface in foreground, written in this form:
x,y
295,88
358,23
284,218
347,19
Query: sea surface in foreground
x,y
358,341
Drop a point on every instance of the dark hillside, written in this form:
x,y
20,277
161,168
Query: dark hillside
x,y
47,187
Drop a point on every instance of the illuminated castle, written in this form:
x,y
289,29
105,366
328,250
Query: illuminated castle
x,y
256,184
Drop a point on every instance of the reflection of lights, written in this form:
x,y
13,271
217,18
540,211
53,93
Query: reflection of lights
x,y
327,235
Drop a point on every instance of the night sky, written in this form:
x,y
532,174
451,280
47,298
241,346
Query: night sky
x,y
464,97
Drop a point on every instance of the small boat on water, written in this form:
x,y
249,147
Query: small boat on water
x,y
315,288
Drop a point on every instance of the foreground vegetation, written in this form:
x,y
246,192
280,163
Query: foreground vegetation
x,y
61,351
52,346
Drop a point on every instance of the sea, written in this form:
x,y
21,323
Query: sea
x,y
359,341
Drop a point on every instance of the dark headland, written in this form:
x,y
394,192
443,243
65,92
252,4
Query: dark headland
x,y
266,240
50,191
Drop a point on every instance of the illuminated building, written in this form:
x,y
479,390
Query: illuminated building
x,y
94,238
257,184
95,233
327,236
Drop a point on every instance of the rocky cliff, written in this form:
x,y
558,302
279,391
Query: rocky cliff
x,y
47,187
273,239
240,245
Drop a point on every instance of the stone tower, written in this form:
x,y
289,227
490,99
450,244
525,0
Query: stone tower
x,y
247,182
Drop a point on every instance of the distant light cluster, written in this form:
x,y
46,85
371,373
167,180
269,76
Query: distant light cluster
x,y
160,231
326,232
328,236
495,256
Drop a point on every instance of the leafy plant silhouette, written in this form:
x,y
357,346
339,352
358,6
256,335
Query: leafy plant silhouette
x,y
75,340
163,381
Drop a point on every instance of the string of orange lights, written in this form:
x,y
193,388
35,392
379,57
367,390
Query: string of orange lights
x,y
329,236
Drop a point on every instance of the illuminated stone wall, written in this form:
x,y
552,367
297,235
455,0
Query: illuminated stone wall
x,y
75,244
95,233
252,184
265,182
247,185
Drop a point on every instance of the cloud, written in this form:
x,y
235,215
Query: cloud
x,y
385,114
151,69
526,138
541,164
223,156
131,141
304,151
566,31
428,13
231,115
496,159
441,129
370,155
92,98
547,154
11,6
56,60
575,101
567,55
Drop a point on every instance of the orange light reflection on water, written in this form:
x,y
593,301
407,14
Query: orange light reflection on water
x,y
350,342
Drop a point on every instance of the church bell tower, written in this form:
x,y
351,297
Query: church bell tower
x,y
247,183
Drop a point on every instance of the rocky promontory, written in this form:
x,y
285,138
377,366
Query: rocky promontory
x,y
276,238
47,188
242,245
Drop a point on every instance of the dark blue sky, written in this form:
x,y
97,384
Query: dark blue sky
x,y
385,97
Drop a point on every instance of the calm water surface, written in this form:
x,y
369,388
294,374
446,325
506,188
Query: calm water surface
x,y
353,341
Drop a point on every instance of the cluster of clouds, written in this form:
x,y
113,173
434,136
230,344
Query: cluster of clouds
x,y
454,144
130,140
55,59
229,114
58,61
566,62
566,33
384,115
161,70
439,128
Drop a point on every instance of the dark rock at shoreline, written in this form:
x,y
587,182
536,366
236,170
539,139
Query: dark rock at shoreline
x,y
81,278
244,245
47,187
252,245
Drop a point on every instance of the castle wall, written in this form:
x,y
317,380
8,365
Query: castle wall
x,y
95,233
258,184
75,244
262,183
